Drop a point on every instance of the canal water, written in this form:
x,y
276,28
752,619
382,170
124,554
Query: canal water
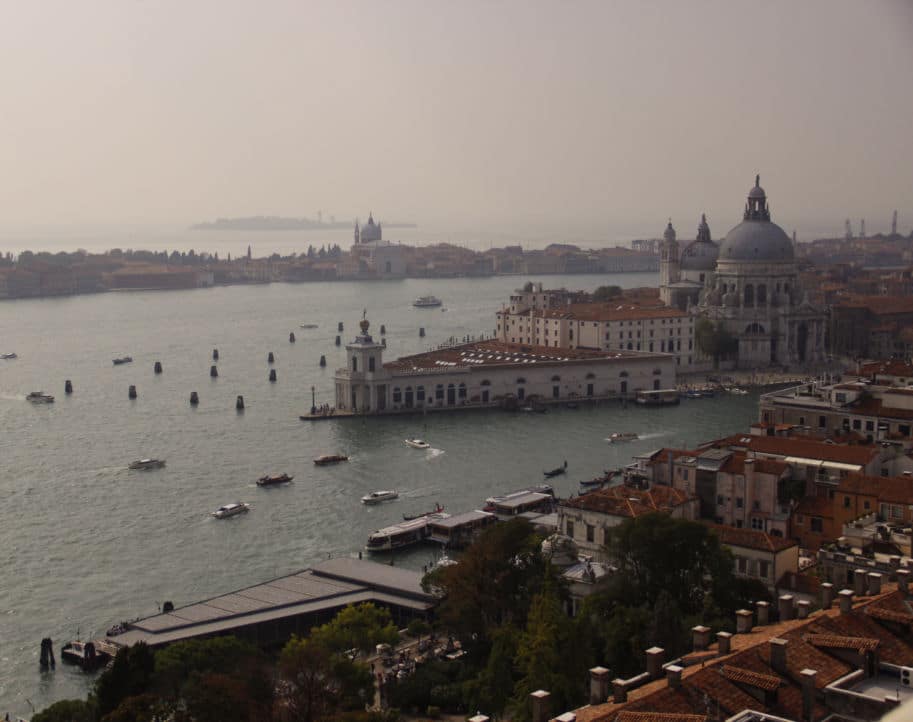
x,y
88,543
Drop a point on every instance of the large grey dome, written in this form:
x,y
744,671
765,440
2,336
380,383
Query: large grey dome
x,y
756,241
699,256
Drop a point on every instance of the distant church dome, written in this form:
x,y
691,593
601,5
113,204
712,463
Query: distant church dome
x,y
669,234
700,254
756,238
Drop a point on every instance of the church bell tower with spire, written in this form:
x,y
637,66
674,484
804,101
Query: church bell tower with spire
x,y
669,271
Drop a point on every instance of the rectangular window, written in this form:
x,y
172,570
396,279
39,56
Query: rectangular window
x,y
741,565
738,502
817,524
763,569
846,502
590,533
371,364
569,529
719,500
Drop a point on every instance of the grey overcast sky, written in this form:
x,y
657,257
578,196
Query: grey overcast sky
x,y
602,118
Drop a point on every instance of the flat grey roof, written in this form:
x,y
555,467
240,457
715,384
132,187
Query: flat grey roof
x,y
464,518
516,501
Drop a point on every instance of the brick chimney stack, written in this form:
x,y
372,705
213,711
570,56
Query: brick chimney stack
x,y
599,685
778,655
724,639
763,609
808,677
540,699
655,658
846,601
827,595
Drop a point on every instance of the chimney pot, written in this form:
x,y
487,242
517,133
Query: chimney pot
x,y
808,677
700,637
723,642
599,685
903,579
804,606
827,595
859,581
619,691
674,675
655,658
763,609
566,717
874,579
846,601
540,699
786,607
743,621
479,718
778,655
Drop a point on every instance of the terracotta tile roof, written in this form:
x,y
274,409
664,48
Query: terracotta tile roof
x,y
892,649
875,407
886,368
891,609
629,716
612,311
897,489
630,502
833,641
791,446
720,692
751,538
767,682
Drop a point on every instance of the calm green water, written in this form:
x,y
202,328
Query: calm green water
x,y
88,543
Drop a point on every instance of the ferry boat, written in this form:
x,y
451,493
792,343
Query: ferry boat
x,y
376,497
8,355
417,443
401,535
39,397
122,360
622,436
659,397
270,480
326,459
83,654
427,302
146,464
230,510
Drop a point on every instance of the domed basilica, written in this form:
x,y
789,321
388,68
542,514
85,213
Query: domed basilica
x,y
749,283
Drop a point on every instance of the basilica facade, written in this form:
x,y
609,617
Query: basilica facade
x,y
749,283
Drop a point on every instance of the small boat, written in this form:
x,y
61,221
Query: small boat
x,y
122,360
376,497
83,654
572,405
694,394
145,464
622,436
230,510
737,391
417,443
531,409
437,510
599,481
330,459
427,302
555,471
39,397
8,355
270,480
309,325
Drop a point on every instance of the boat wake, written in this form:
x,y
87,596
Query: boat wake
x,y
434,453
655,435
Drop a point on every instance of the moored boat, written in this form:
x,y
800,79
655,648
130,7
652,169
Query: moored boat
x,y
556,471
622,436
230,510
8,355
145,464
397,536
377,497
270,480
437,510
84,654
122,360
326,459
427,302
39,397
417,443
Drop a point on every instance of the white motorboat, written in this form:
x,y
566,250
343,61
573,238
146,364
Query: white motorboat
x,y
377,497
427,302
621,436
230,510
145,464
8,355
39,397
417,443
736,390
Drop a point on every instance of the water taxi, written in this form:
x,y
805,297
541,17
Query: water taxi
x,y
427,302
145,464
10,355
326,459
659,397
39,397
401,535
621,436
230,510
417,443
122,360
270,480
376,497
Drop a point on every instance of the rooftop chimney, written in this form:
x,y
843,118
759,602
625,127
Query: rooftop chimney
x,y
903,579
859,581
778,655
743,621
540,699
827,595
655,658
479,718
874,583
700,637
763,609
808,677
804,605
619,691
785,604
674,675
599,685
566,717
846,601
723,641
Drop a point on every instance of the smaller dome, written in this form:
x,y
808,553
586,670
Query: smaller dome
x,y
757,191
561,550
700,256
669,234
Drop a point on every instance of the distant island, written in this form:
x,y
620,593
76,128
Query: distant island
x,y
278,223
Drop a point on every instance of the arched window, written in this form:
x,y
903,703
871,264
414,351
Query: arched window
x,y
439,391
556,377
355,364
754,327
762,294
657,372
486,382
591,375
521,380
419,393
623,375
397,395
461,391
749,295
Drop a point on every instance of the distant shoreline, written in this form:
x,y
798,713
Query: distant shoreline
x,y
278,223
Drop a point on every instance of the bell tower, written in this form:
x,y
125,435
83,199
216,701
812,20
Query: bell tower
x,y
669,271
361,387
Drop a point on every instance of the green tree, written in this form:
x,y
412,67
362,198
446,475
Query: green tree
x,y
714,340
129,675
358,628
607,293
67,710
497,679
175,664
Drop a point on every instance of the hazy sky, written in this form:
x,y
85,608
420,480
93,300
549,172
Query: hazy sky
x,y
595,118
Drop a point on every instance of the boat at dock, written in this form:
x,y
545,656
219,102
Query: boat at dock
x,y
146,464
271,480
619,437
7,356
122,360
417,443
406,533
659,397
532,498
327,459
83,654
437,510
230,510
39,397
378,497
600,481
556,471
427,302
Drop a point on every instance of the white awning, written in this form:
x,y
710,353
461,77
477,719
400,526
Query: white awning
x,y
841,467
802,461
